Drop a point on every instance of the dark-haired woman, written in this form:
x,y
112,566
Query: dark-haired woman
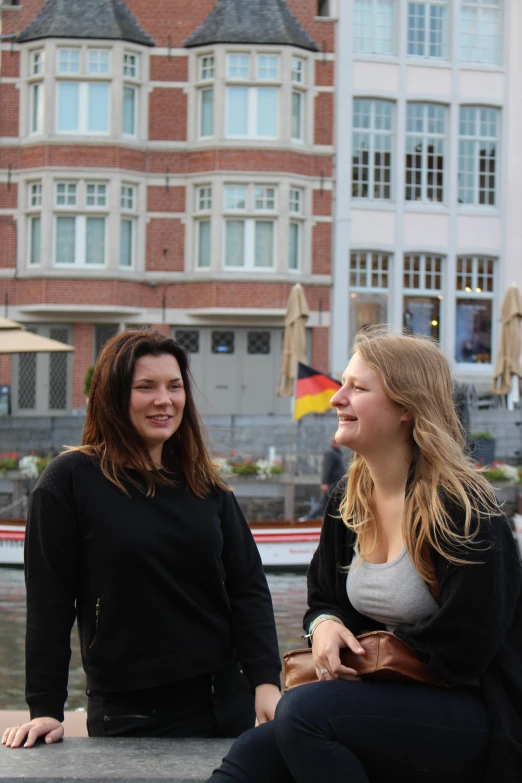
x,y
135,535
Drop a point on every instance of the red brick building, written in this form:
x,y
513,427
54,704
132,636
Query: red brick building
x,y
169,164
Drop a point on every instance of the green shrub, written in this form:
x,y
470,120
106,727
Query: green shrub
x,y
87,381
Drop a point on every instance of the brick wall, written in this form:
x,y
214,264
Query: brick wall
x,y
322,249
9,110
10,64
165,245
322,202
324,107
5,370
167,114
7,243
159,199
320,348
8,195
168,69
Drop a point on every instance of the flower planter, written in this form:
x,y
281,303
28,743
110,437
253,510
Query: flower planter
x,y
483,451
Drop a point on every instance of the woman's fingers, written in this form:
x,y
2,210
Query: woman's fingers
x,y
15,735
28,733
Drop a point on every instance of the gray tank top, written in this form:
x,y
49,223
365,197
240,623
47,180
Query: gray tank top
x,y
392,593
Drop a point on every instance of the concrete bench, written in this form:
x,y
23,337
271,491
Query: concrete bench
x,y
104,760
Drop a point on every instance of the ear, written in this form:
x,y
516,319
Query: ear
x,y
406,415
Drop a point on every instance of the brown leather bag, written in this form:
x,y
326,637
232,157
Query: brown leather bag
x,y
386,658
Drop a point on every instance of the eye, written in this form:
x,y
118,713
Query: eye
x,y
359,388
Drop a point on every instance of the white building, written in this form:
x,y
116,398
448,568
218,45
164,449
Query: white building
x,y
428,207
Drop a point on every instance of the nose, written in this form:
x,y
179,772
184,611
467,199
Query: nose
x,y
162,397
338,400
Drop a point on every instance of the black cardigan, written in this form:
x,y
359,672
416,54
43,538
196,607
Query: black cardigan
x,y
476,634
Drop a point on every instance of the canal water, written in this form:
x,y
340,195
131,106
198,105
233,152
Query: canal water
x,y
288,595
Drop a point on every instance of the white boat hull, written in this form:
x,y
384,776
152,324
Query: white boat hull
x,y
11,545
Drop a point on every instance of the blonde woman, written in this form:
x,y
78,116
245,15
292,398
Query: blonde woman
x,y
413,506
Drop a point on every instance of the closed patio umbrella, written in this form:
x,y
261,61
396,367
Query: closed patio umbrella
x,y
294,341
508,372
15,339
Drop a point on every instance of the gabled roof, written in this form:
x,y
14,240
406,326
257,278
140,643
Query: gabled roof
x,y
251,22
107,19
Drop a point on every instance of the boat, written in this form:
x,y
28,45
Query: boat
x,y
282,545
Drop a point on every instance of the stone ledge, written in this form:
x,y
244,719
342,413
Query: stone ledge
x,y
105,760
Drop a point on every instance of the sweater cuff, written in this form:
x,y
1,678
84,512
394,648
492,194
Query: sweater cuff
x,y
264,675
48,708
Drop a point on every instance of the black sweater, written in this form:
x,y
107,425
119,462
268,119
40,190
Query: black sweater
x,y
164,588
476,634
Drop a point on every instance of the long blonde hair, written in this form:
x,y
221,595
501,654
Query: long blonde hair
x,y
415,374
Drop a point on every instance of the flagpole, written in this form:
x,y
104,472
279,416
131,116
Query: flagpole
x,y
289,501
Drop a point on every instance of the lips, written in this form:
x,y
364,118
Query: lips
x,y
159,418
346,418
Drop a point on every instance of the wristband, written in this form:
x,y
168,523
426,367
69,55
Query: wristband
x,y
318,620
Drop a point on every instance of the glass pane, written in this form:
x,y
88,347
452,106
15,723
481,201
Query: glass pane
x,y
237,111
293,248
98,117
204,244
27,381
68,106
473,331
421,315
95,241
366,310
126,243
267,112
129,110
264,249
258,343
188,339
207,112
65,240
297,125
35,240
37,109
235,243
223,342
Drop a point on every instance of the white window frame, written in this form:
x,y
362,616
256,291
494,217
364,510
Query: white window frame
x,y
96,58
198,223
295,202
36,108
83,109
234,190
268,56
70,189
31,221
427,274
427,137
249,236
203,198
252,112
299,226
206,67
68,61
481,24
374,133
131,65
100,192
428,29
364,272
368,14
239,70
135,91
80,240
201,92
128,199
262,194
37,62
476,140
34,199
478,276
300,136
298,70
124,218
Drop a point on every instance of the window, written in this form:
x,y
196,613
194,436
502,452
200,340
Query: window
x,y
35,194
422,283
425,152
295,229
131,65
427,29
297,116
258,343
66,194
478,152
128,197
267,66
372,149
97,61
96,195
475,284
323,8
369,282
37,63
83,107
206,67
374,26
35,227
249,241
68,61
296,201
36,108
129,110
206,112
480,31
188,339
238,66
222,342
298,70
252,112
203,244
127,231
203,198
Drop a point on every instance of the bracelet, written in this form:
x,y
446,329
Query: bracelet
x,y
318,620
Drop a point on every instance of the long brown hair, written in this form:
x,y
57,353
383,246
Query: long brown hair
x,y
110,436
415,374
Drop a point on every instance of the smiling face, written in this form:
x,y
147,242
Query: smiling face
x,y
157,401
369,421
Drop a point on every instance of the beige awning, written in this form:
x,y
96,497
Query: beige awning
x,y
294,341
15,339
508,358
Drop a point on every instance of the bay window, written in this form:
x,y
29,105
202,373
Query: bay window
x,y
249,238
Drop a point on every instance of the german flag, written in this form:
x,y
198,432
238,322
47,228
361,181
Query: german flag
x,y
313,391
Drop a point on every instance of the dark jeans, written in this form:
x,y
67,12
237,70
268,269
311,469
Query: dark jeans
x,y
362,732
214,705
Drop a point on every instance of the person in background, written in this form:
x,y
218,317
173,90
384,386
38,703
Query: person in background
x,y
136,536
334,469
414,543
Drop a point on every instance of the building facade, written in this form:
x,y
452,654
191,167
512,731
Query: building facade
x,y
428,177
167,164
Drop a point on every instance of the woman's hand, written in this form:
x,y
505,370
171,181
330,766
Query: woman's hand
x,y
50,728
267,696
328,639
